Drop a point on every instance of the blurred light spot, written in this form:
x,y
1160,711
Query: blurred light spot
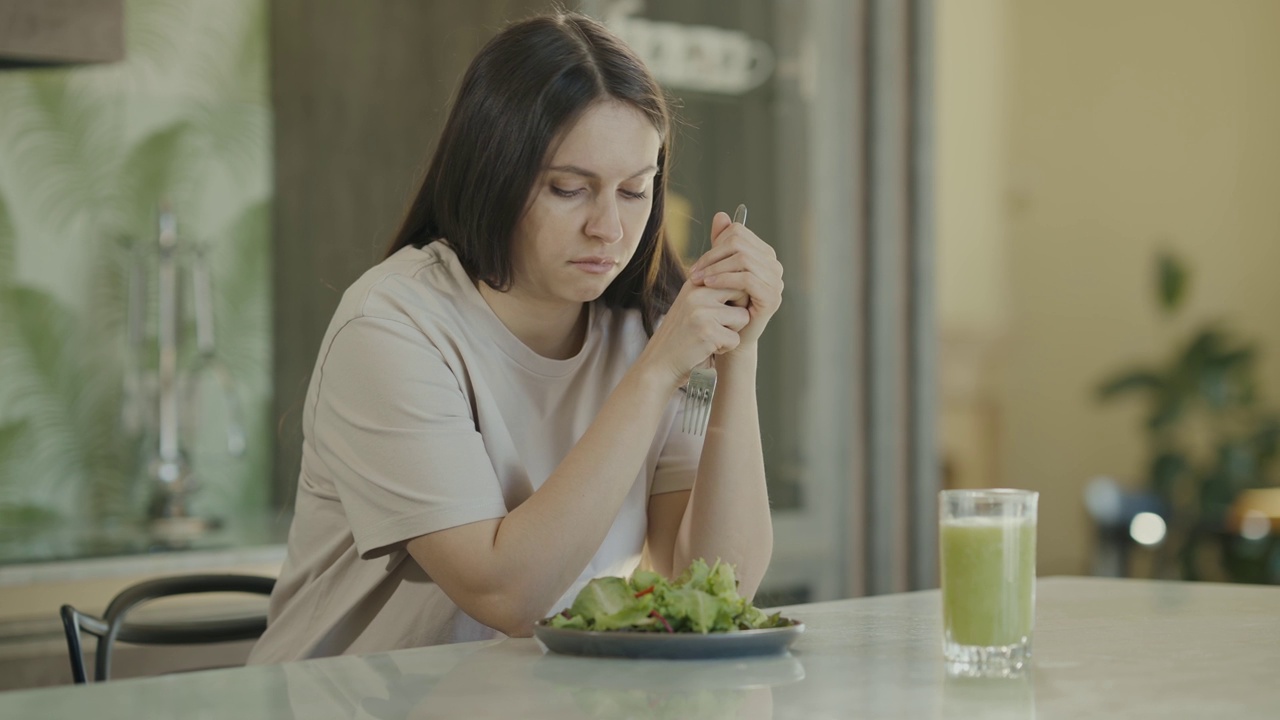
x,y
1147,528
1254,525
1104,500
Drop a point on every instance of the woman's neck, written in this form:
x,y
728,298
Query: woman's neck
x,y
555,332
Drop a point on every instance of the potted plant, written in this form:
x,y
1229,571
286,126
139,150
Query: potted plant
x,y
1209,437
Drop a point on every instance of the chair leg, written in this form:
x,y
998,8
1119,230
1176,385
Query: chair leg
x,y
71,626
106,641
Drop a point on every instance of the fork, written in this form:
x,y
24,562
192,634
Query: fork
x,y
701,387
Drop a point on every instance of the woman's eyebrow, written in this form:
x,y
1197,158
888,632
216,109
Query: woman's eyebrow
x,y
574,169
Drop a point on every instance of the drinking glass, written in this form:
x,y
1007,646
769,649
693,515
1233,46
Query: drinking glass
x,y
987,553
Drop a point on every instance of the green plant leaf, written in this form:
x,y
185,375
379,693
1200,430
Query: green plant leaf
x,y
111,451
42,326
8,242
159,168
66,144
1223,380
1207,344
1172,278
1168,469
242,273
1241,357
1169,406
1248,561
19,521
11,436
156,29
1131,381
1186,380
1238,464
1217,492
1266,439
39,367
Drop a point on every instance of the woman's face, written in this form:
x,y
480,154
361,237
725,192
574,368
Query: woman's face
x,y
588,208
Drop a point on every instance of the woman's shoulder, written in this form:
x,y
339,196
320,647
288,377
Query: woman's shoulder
x,y
415,286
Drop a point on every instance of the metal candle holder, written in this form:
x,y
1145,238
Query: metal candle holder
x,y
163,401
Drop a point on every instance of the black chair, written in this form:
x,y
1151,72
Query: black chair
x,y
112,626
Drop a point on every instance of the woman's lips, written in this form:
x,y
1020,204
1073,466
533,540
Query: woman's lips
x,y
594,265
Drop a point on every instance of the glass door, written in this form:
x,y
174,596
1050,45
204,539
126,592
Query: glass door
x,y
757,125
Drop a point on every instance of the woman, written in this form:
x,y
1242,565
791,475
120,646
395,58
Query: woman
x,y
493,417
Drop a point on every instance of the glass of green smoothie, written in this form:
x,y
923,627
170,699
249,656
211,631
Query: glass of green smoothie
x,y
987,554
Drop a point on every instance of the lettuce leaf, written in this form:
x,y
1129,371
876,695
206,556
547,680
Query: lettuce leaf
x,y
703,599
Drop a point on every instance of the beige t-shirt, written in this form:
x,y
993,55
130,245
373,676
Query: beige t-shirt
x,y
424,412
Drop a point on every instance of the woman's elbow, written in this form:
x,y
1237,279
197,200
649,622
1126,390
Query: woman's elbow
x,y
505,613
750,577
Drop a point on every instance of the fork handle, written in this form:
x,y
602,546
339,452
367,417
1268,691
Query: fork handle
x,y
740,217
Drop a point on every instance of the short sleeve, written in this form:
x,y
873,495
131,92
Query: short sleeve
x,y
677,465
394,429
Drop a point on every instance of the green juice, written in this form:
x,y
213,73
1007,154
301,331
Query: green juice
x,y
988,580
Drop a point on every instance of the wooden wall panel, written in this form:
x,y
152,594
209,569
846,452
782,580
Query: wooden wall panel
x,y
360,91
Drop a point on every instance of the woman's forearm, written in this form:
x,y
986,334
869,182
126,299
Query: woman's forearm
x,y
508,573
728,512
557,531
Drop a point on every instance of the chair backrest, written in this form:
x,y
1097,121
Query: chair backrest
x,y
112,626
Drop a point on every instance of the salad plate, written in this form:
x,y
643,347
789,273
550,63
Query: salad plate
x,y
698,615
671,646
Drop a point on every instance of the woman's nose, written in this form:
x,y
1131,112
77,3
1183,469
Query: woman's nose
x,y
605,224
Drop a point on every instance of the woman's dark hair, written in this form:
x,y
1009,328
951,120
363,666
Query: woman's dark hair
x,y
524,89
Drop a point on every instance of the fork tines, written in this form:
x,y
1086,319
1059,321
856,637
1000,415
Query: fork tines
x,y
697,400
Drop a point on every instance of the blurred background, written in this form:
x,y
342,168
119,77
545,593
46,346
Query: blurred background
x,y
1029,243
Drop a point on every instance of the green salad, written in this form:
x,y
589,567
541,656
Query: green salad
x,y
704,599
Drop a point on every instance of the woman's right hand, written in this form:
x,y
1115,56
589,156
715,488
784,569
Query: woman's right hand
x,y
700,323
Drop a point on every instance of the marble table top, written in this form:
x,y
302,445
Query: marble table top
x,y
1103,648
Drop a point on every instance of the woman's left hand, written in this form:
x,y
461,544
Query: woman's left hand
x,y
740,260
